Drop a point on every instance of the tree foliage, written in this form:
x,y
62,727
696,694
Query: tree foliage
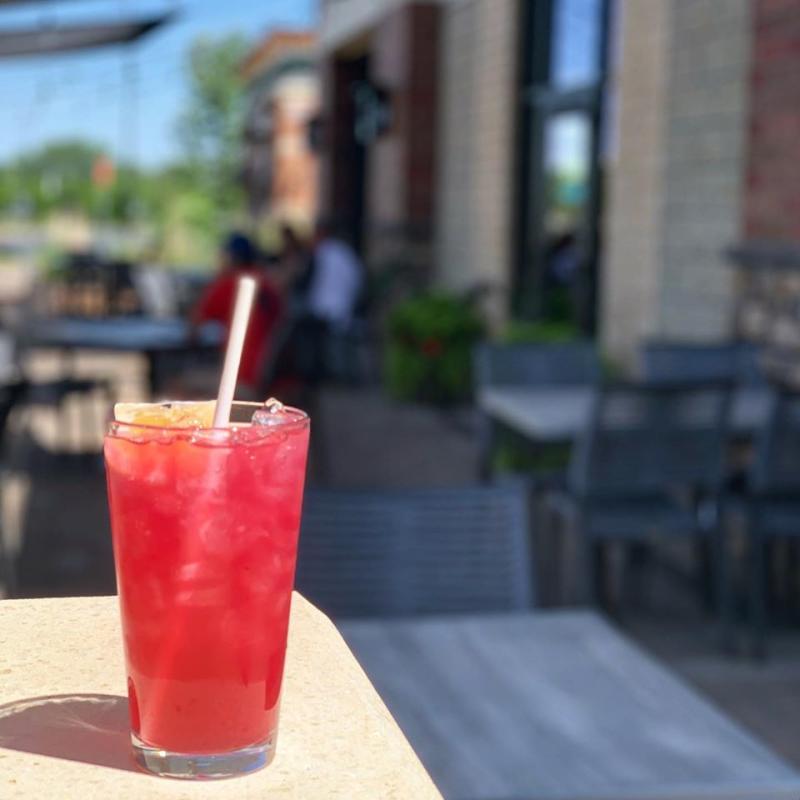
x,y
210,127
184,206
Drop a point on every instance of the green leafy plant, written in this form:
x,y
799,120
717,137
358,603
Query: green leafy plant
x,y
522,331
429,348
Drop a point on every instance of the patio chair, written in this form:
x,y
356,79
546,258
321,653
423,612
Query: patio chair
x,y
527,365
535,364
11,393
418,551
52,393
649,464
675,362
773,502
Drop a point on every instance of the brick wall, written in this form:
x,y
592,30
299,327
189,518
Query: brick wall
x,y
675,192
772,207
706,152
630,266
476,144
401,162
295,101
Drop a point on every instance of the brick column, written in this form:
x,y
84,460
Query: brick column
x,y
772,204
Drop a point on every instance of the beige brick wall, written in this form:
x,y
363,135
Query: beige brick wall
x,y
675,190
706,132
476,144
634,223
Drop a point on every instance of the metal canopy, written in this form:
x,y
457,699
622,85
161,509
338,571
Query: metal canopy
x,y
20,2
66,38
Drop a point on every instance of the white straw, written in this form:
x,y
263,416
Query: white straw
x,y
233,353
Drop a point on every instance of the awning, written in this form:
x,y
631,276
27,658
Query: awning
x,y
19,2
65,38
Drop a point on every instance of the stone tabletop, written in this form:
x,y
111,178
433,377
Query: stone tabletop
x,y
64,718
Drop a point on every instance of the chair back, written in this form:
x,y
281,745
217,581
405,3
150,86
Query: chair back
x,y
535,364
645,440
419,551
776,470
674,362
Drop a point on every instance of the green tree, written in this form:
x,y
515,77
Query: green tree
x,y
210,127
56,176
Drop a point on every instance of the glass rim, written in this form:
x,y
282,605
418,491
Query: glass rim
x,y
301,420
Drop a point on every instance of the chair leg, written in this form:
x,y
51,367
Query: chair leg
x,y
591,568
7,572
722,588
704,560
487,442
758,596
637,557
547,568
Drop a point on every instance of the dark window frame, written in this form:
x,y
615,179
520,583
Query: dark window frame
x,y
539,102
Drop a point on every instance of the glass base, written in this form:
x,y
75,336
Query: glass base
x,y
203,766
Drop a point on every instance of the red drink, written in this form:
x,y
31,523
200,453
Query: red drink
x,y
205,526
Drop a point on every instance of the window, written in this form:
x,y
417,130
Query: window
x,y
576,43
559,193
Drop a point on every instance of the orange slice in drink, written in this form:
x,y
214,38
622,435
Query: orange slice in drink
x,y
167,415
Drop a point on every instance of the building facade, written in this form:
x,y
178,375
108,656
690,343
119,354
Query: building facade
x,y
589,160
281,169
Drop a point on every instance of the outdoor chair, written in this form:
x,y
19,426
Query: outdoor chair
x,y
674,362
418,551
11,393
535,364
650,464
512,366
773,502
53,393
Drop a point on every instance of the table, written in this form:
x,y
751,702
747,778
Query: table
x,y
557,706
64,719
155,338
558,414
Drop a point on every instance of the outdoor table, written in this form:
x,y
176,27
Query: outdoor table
x,y
64,716
155,338
557,706
559,414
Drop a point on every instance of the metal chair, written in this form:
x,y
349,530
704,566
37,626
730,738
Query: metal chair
x,y
675,362
650,463
413,552
773,503
10,395
527,365
535,364
53,393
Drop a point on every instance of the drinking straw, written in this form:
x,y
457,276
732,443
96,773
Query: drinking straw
x,y
245,292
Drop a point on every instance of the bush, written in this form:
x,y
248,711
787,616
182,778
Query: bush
x,y
521,331
429,349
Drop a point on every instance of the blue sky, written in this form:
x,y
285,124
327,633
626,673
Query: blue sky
x,y
89,95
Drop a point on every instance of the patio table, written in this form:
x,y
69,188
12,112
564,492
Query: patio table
x,y
155,338
557,706
64,716
559,414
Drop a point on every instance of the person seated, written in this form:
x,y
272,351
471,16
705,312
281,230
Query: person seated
x,y
239,258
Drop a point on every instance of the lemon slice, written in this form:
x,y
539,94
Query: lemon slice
x,y
167,415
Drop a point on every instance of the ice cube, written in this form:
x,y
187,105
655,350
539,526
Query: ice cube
x,y
273,413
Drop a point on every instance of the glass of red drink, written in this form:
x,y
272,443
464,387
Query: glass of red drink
x,y
205,524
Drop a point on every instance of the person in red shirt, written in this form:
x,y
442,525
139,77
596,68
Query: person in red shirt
x,y
238,258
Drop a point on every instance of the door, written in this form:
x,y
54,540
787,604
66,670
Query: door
x,y
564,56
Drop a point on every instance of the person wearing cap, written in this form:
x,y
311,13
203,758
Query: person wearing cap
x,y
238,257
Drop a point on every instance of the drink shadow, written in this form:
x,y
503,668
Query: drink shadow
x,y
92,728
